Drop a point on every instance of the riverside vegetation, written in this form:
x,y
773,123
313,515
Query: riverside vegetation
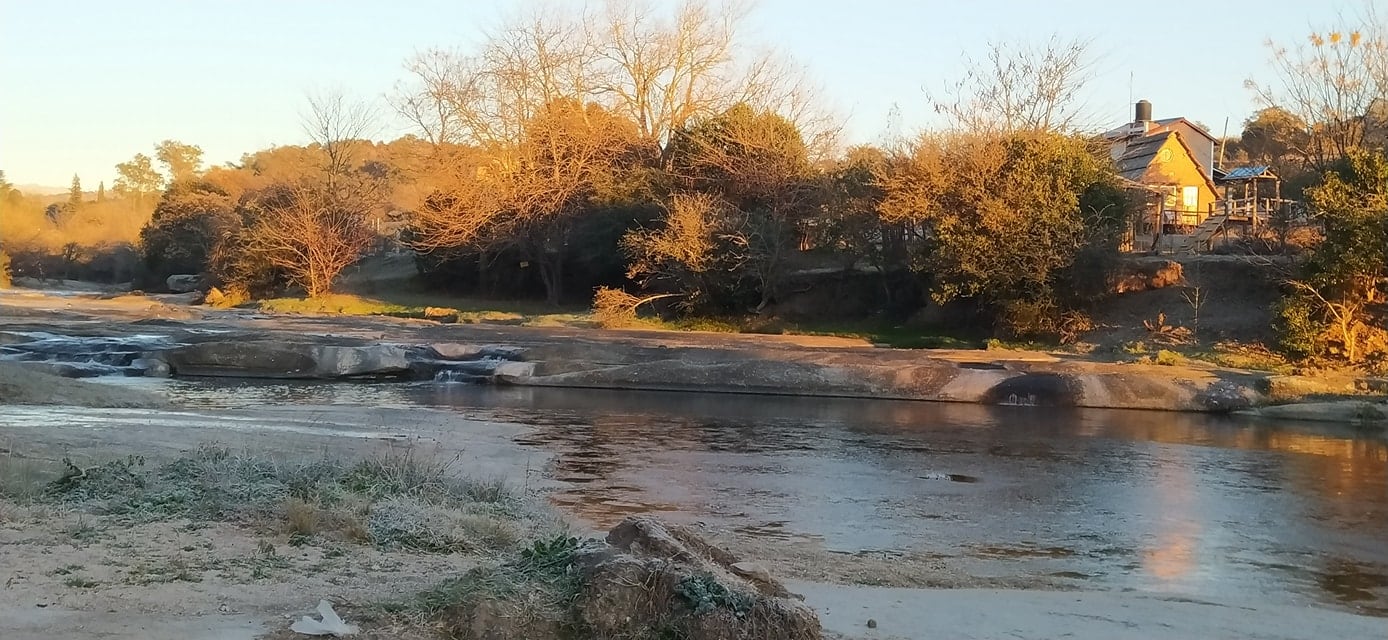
x,y
647,157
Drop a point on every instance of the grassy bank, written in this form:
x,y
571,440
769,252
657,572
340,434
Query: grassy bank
x,y
401,500
396,534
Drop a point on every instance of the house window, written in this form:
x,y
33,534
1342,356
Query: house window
x,y
1190,198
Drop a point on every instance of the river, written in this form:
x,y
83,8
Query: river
x,y
1181,504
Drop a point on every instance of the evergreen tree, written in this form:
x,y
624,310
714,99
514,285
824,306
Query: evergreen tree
x,y
101,191
74,198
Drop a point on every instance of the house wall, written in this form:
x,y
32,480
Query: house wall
x,y
1200,145
1180,170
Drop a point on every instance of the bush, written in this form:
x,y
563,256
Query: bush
x,y
1168,358
614,308
1299,331
5,281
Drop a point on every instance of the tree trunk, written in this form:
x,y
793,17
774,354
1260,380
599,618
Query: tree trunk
x,y
552,275
482,266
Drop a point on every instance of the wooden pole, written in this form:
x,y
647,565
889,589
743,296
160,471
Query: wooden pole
x,y
1254,224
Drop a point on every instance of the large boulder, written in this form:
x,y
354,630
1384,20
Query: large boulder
x,y
659,579
1364,413
183,282
266,359
648,580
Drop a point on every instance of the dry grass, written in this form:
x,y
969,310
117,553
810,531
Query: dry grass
x,y
22,479
407,500
25,226
301,517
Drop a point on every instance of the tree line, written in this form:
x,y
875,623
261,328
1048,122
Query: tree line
x,y
665,159
652,153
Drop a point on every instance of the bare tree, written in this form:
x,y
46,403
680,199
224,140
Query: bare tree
x,y
664,72
1196,294
310,237
1331,82
1021,88
339,126
661,71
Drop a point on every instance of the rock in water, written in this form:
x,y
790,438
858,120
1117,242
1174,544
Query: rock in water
x,y
183,283
265,359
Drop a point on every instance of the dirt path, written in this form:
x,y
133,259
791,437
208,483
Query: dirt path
x,y
70,576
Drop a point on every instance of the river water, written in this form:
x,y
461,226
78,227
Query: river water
x,y
1157,502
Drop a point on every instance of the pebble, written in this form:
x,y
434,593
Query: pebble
x,y
872,624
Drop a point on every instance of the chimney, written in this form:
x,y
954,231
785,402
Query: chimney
x,y
1143,112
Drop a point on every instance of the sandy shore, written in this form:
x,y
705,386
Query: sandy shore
x,y
991,614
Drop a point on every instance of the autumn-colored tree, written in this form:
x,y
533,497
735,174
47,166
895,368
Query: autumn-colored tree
x,y
181,161
557,111
1000,220
660,70
530,202
756,166
692,252
1275,136
137,179
306,235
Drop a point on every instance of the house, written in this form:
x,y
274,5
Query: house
x,y
1164,166
1201,143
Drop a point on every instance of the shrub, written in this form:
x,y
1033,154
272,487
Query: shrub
x,y
614,308
1169,358
1299,331
5,280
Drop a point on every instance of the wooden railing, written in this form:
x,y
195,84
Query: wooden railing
x,y
1255,211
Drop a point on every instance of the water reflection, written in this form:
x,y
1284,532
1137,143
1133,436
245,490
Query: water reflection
x,y
1171,502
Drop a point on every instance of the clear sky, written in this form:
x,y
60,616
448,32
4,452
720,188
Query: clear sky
x,y
84,85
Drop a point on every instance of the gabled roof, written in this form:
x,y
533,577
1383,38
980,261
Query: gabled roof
x,y
1139,153
1138,156
1166,122
1128,130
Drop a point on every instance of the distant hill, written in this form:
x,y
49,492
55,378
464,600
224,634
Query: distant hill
x,y
40,190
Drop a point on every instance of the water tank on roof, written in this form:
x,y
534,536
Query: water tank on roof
x,y
1143,111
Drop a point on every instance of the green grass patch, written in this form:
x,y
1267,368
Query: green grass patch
x,y
409,303
871,331
1252,357
78,582
1168,358
538,585
432,307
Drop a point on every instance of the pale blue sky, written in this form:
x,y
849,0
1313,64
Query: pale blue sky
x,y
89,84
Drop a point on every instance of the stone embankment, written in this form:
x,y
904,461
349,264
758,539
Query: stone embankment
x,y
710,364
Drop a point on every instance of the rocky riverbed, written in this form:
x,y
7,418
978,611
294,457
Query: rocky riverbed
x,y
1219,525
77,336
